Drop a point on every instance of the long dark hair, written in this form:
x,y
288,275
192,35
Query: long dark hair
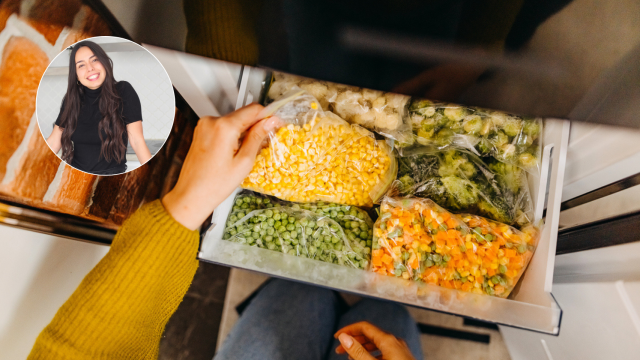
x,y
112,124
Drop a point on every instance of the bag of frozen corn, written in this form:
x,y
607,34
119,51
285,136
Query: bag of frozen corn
x,y
460,181
317,156
382,112
326,232
417,239
508,138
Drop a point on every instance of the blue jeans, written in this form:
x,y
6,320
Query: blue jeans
x,y
289,320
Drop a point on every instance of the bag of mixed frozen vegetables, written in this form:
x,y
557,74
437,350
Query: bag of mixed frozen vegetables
x,y
417,239
461,182
379,111
317,156
327,232
510,139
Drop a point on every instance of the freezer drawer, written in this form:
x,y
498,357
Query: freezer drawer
x,y
531,305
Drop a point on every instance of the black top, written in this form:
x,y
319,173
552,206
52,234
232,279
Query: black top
x,y
86,138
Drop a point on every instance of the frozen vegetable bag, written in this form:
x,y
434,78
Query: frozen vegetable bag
x,y
417,239
508,138
460,181
382,112
317,156
306,232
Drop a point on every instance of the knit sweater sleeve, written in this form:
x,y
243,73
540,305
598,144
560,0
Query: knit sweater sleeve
x,y
121,307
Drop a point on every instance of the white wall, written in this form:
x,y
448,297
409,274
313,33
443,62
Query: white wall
x,y
140,68
37,274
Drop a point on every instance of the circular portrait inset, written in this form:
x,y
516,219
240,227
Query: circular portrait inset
x,y
105,105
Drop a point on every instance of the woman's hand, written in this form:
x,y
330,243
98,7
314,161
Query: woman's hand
x,y
136,138
360,338
216,163
55,139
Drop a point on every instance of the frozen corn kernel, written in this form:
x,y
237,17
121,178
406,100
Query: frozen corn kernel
x,y
324,160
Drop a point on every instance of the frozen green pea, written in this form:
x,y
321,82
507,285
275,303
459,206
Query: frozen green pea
x,y
263,232
276,217
502,269
363,235
308,231
284,222
240,215
268,238
337,247
270,231
270,222
522,248
277,224
239,202
268,213
291,227
334,239
293,234
282,229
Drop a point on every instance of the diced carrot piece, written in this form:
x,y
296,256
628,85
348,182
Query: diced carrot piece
x,y
509,253
452,223
517,261
481,251
491,272
376,261
455,251
445,216
466,286
387,259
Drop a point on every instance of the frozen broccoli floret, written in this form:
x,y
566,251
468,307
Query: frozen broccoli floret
x,y
512,127
499,139
444,137
532,128
523,140
406,184
497,212
417,105
484,146
528,160
455,113
509,176
472,124
461,192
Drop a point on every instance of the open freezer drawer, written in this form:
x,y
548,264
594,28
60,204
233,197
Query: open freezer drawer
x,y
531,306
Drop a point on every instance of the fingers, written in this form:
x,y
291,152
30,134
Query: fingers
x,y
244,118
353,348
374,334
367,345
253,141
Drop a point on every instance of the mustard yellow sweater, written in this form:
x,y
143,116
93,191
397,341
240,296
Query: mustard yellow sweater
x,y
120,309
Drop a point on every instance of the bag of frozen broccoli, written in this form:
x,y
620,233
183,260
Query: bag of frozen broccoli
x,y
461,182
317,231
382,112
317,156
508,138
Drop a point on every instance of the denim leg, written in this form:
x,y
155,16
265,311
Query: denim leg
x,y
388,316
286,320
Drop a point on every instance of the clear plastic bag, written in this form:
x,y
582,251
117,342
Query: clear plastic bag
x,y
317,156
379,111
320,231
508,138
417,239
461,182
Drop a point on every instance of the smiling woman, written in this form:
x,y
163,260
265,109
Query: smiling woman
x,y
99,115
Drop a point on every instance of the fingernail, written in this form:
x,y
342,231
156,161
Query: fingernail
x,y
345,340
271,123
